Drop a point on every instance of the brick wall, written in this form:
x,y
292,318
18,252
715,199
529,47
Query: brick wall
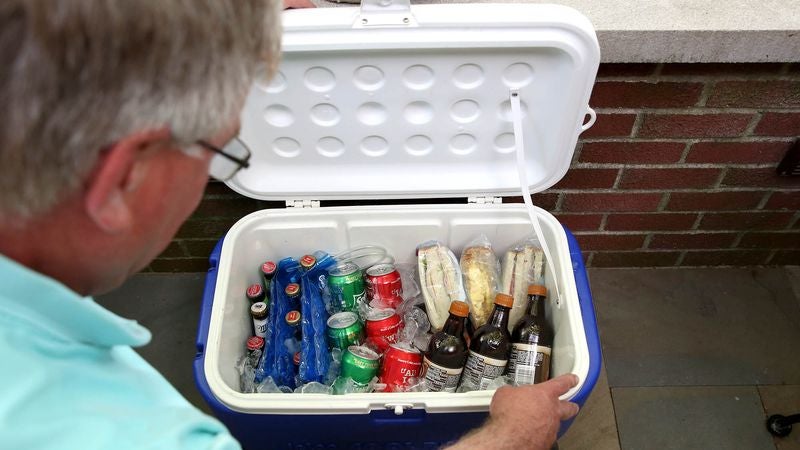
x,y
679,170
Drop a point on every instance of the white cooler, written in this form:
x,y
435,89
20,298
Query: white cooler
x,y
391,102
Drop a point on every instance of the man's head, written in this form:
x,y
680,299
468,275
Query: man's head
x,y
100,97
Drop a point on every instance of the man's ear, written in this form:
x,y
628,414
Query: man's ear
x,y
116,172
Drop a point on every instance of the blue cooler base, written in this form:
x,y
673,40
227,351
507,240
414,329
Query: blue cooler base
x,y
415,429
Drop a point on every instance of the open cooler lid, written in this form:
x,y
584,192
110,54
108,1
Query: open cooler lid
x,y
396,101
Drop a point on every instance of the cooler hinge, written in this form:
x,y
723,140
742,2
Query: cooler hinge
x,y
302,203
485,200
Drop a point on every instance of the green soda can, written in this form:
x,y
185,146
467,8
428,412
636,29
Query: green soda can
x,y
346,283
345,330
360,363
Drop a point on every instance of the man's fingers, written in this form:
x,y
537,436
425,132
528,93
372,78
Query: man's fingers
x,y
567,410
561,384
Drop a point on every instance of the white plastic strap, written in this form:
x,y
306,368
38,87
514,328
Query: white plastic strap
x,y
516,115
364,256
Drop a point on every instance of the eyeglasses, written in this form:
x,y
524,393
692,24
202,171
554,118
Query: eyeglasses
x,y
229,160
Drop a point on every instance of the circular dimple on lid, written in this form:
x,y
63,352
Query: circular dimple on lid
x,y
505,110
368,78
468,76
465,111
371,113
418,113
504,143
273,86
374,146
517,75
286,147
463,144
319,79
278,116
418,77
330,146
325,115
419,145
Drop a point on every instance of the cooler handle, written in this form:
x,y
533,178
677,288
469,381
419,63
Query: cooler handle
x,y
592,119
208,300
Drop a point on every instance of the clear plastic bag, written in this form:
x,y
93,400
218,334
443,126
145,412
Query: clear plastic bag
x,y
481,272
440,280
522,265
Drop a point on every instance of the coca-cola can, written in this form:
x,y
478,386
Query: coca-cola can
x,y
401,365
384,284
382,328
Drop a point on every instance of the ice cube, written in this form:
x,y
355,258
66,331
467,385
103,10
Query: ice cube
x,y
314,388
422,340
408,279
498,382
268,386
292,345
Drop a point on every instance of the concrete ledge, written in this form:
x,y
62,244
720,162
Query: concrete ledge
x,y
685,30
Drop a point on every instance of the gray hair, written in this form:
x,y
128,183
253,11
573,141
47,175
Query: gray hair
x,y
77,75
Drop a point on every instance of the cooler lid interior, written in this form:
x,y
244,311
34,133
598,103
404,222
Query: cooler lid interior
x,y
398,101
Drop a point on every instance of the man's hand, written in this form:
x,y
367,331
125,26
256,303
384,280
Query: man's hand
x,y
294,4
524,417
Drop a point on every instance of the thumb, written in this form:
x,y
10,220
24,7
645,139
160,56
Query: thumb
x,y
561,384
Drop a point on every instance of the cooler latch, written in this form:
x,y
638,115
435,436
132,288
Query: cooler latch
x,y
383,13
302,203
485,200
399,408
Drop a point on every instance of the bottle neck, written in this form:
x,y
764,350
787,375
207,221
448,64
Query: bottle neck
x,y
536,305
454,325
500,317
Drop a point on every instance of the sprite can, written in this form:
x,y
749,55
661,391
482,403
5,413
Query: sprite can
x,y
346,283
360,363
345,330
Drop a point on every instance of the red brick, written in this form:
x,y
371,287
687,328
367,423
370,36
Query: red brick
x,y
694,125
593,202
580,222
635,259
611,125
175,265
784,200
173,250
638,94
779,124
668,178
205,228
696,240
786,258
713,201
760,177
632,152
650,222
200,247
755,94
726,258
737,152
588,179
722,69
233,207
625,70
610,241
766,239
545,200
746,221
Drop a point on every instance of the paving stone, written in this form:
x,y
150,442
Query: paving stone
x,y
697,326
595,427
689,418
783,400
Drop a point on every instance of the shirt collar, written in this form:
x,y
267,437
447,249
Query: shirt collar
x,y
57,309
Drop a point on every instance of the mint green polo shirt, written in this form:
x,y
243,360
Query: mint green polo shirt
x,y
70,379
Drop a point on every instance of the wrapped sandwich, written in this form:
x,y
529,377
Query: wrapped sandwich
x,y
522,265
480,269
440,280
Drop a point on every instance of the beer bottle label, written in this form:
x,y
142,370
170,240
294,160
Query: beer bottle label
x,y
480,370
260,327
440,379
529,363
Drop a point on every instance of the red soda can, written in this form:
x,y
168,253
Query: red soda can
x,y
384,284
382,328
401,363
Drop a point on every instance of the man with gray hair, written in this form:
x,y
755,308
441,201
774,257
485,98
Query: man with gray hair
x,y
115,114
